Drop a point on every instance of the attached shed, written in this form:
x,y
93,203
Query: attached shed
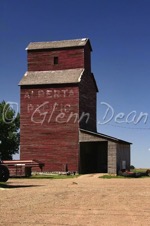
x,y
100,153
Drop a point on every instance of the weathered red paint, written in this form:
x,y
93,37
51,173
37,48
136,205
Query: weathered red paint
x,y
50,117
43,60
48,132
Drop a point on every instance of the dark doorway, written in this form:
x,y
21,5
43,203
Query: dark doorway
x,y
93,157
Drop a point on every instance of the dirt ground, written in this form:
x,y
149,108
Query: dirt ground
x,y
82,201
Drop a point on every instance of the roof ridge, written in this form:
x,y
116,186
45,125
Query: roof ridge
x,y
64,40
58,44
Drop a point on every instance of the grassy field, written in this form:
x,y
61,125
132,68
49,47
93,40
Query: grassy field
x,y
57,176
48,176
52,176
136,170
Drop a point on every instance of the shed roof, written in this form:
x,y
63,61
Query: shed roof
x,y
58,44
98,136
52,77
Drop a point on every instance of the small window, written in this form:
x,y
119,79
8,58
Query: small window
x,y
55,60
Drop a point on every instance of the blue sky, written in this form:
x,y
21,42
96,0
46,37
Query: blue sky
x,y
120,37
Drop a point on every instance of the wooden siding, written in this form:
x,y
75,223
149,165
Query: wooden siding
x,y
48,133
123,154
86,137
87,58
112,157
87,102
43,60
112,150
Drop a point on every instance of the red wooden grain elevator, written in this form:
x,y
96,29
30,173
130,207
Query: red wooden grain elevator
x,y
58,111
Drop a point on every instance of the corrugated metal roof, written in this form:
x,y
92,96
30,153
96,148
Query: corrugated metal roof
x,y
52,77
58,44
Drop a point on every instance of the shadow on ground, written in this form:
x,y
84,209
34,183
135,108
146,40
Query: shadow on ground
x,y
5,185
